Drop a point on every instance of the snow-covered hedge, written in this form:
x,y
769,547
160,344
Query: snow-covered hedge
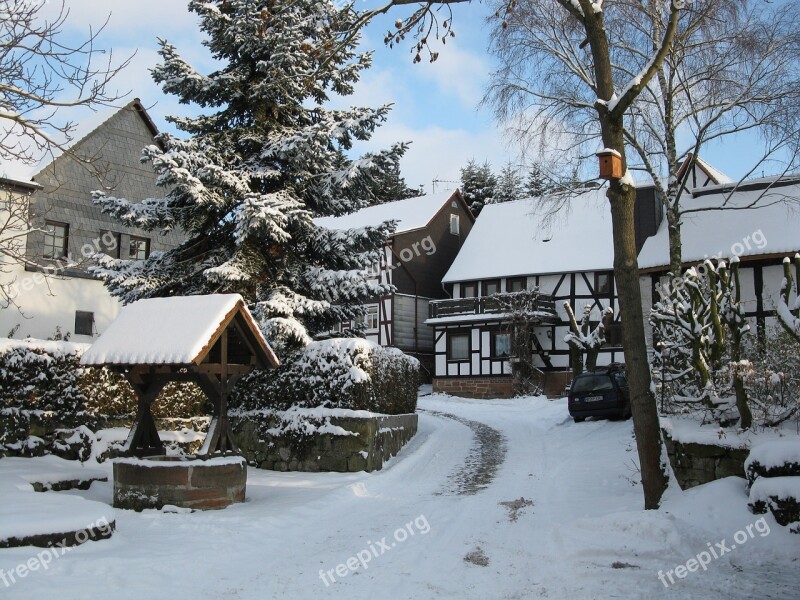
x,y
43,389
349,373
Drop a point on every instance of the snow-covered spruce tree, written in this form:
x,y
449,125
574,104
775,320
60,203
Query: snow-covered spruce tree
x,y
509,185
478,185
259,164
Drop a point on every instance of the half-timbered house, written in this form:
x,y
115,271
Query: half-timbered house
x,y
757,221
430,232
517,246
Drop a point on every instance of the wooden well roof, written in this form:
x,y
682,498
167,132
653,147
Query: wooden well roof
x,y
182,331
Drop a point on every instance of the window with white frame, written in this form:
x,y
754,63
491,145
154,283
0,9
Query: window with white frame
x,y
139,248
454,225
56,239
371,318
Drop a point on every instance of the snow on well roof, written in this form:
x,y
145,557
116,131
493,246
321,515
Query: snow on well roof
x,y
164,330
773,227
518,238
412,213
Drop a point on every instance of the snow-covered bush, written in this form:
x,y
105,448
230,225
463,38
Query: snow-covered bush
x,y
44,389
772,375
700,325
348,373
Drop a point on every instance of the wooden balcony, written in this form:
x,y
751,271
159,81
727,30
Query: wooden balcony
x,y
541,305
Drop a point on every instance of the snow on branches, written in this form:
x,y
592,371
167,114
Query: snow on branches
x,y
789,316
262,161
584,338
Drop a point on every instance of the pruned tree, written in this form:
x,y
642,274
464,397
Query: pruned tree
x,y
700,323
788,313
585,339
523,312
44,76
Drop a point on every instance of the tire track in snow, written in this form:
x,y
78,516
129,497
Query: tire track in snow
x,y
481,464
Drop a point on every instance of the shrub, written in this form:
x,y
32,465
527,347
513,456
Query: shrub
x,y
347,373
43,388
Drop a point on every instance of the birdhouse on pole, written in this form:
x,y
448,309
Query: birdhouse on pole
x,y
610,164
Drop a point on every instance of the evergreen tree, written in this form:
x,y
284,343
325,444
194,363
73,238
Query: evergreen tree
x,y
509,185
538,183
259,164
478,185
390,185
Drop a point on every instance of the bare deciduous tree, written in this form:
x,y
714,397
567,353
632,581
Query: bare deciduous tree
x,y
731,67
43,76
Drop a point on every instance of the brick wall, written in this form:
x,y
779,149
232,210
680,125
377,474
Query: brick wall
x,y
475,387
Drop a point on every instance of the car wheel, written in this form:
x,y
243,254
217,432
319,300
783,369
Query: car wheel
x,y
579,419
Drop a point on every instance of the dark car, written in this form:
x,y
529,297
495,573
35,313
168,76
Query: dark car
x,y
600,393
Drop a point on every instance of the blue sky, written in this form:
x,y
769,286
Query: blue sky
x,y
436,105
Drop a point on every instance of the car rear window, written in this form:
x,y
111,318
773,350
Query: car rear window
x,y
592,383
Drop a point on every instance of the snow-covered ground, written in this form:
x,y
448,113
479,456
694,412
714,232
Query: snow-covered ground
x,y
571,526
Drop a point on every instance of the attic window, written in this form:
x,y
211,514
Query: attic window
x,y
454,225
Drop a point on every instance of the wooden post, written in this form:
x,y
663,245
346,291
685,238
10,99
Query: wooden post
x,y
143,439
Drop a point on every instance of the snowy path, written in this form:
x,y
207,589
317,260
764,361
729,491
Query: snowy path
x,y
414,522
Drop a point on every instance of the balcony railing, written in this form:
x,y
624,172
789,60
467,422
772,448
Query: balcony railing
x,y
542,305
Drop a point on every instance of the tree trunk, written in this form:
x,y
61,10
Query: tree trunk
x,y
674,231
643,401
742,403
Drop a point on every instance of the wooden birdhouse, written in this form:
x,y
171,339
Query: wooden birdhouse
x,y
610,164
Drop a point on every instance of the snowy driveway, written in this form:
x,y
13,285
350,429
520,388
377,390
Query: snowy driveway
x,y
452,493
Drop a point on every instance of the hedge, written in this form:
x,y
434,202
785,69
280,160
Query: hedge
x,y
347,373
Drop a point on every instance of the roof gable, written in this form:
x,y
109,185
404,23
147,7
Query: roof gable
x,y
23,172
410,214
181,330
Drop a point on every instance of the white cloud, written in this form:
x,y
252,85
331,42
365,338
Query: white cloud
x,y
439,153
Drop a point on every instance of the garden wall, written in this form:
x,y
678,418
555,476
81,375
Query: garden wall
x,y
332,443
696,463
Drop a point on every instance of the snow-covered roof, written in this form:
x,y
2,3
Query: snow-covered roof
x,y
714,173
773,227
517,238
174,331
412,213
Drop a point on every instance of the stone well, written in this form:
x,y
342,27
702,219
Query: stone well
x,y
183,481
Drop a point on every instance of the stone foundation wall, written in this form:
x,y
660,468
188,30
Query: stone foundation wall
x,y
475,387
372,441
159,481
696,464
